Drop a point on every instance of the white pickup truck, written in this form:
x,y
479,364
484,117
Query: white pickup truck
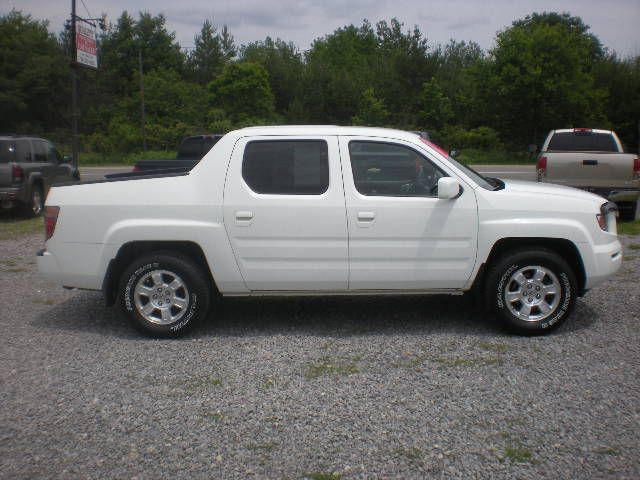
x,y
593,160
323,210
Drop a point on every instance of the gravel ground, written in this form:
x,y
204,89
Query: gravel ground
x,y
408,387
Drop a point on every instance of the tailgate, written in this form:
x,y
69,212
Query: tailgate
x,y
591,169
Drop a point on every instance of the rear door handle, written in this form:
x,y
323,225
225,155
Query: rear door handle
x,y
590,162
366,216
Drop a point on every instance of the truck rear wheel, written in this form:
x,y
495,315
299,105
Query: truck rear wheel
x,y
532,291
163,295
36,202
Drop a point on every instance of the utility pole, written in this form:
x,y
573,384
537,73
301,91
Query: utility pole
x,y
142,122
74,88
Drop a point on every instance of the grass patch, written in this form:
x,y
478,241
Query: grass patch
x,y
328,367
629,228
201,383
634,246
44,301
468,362
322,476
261,447
471,156
494,347
414,362
410,453
518,454
13,270
100,159
213,416
14,228
604,450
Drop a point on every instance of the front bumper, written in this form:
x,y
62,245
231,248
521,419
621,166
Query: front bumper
x,y
605,261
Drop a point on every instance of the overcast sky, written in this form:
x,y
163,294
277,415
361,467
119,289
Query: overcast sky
x,y
615,22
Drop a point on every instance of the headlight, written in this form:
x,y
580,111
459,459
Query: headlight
x,y
607,217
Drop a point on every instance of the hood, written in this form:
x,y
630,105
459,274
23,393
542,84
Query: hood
x,y
521,186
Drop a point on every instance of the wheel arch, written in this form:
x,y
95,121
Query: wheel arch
x,y
132,250
563,247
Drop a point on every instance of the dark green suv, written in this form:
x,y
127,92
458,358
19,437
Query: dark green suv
x,y
29,166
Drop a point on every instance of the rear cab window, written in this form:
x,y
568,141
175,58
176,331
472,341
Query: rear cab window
x,y
582,141
286,167
7,151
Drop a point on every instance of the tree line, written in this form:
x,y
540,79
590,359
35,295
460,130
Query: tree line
x,y
545,71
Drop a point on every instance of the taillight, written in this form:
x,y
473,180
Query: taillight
x,y
17,174
636,168
50,220
542,163
136,169
541,167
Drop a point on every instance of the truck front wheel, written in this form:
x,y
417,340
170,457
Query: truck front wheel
x,y
163,294
532,290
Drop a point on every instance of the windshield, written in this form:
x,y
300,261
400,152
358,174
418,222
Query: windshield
x,y
484,182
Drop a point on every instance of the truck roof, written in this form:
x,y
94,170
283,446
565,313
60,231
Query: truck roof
x,y
571,130
325,130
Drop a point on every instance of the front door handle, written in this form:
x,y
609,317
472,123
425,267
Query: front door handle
x,y
366,216
244,216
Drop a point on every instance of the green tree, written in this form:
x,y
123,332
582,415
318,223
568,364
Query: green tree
x,y
542,79
620,78
211,53
34,86
435,107
372,111
403,62
283,63
242,90
340,67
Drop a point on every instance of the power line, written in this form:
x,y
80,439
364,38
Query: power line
x,y
86,9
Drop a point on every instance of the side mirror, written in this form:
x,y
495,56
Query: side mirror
x,y
66,159
454,153
448,188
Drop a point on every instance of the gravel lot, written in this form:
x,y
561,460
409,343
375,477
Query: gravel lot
x,y
407,387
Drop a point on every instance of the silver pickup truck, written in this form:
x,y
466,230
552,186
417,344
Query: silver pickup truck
x,y
592,160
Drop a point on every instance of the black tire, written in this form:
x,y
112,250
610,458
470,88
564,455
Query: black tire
x,y
194,294
526,314
35,207
628,211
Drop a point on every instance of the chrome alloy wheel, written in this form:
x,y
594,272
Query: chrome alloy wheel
x,y
161,297
532,293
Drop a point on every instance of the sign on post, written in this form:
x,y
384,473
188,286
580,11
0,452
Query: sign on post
x,y
86,51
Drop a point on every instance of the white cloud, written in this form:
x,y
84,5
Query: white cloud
x,y
303,21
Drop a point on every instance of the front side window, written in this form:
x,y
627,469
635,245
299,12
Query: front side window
x,y
286,167
39,151
388,169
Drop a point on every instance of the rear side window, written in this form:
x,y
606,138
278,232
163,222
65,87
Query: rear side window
x,y
286,167
582,142
23,151
7,151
